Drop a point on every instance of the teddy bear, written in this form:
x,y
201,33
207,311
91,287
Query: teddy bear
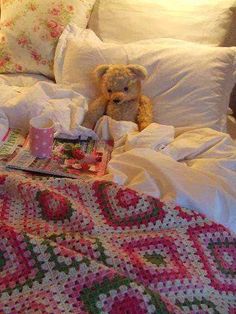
x,y
121,97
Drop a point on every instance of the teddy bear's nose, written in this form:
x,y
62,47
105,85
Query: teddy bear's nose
x,y
116,100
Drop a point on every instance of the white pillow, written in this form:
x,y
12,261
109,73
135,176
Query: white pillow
x,y
203,21
189,83
71,34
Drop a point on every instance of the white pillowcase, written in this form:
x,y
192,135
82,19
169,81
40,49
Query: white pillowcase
x,y
203,21
189,83
72,34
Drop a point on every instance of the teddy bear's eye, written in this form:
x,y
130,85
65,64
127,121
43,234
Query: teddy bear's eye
x,y
126,88
109,90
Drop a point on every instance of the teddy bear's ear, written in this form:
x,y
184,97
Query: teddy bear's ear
x,y
100,70
138,70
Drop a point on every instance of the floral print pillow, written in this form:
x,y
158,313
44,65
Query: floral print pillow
x,y
30,30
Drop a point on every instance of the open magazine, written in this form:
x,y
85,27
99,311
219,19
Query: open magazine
x,y
70,158
9,146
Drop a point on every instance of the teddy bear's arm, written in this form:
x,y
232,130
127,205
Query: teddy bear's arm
x,y
95,111
145,112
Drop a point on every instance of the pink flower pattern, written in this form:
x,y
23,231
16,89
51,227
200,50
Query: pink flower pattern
x,y
32,7
55,11
36,56
23,41
35,33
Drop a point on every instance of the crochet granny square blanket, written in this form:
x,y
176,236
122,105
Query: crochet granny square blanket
x,y
91,246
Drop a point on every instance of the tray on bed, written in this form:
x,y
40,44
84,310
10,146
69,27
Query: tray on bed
x,y
63,161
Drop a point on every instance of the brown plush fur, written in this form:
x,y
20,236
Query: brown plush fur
x,y
121,97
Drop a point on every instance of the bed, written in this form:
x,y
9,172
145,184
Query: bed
x,y
156,234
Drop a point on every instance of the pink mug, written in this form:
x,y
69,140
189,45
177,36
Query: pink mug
x,y
41,137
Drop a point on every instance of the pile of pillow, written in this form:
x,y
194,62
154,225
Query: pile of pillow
x,y
204,21
190,78
189,83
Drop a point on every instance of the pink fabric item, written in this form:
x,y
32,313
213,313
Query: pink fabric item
x,y
41,137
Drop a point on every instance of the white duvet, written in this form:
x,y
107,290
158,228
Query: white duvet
x,y
196,169
25,96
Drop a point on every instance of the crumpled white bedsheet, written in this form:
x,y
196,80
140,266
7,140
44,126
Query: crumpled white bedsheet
x,y
196,169
34,96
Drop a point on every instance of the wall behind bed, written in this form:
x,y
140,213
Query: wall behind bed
x,y
233,101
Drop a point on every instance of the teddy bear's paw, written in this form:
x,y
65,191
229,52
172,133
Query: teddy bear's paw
x,y
143,125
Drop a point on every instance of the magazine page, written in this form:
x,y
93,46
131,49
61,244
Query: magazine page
x,y
9,146
10,142
70,158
